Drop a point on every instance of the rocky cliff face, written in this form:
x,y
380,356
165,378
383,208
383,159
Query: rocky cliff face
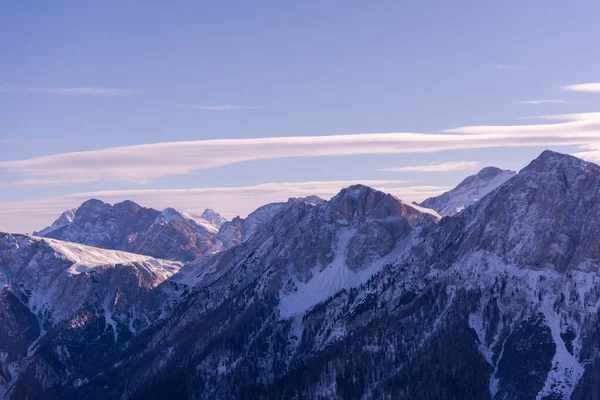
x,y
362,296
241,229
469,191
59,298
170,234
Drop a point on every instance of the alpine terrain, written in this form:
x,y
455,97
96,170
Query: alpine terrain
x,y
362,296
468,191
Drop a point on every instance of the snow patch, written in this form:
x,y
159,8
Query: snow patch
x,y
333,278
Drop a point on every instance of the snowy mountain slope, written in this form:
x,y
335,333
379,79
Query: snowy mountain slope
x,y
170,234
65,219
52,289
304,255
468,309
51,270
469,191
213,217
536,239
362,296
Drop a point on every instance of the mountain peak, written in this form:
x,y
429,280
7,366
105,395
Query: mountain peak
x,y
312,200
488,172
357,192
469,191
127,204
91,204
545,217
360,200
65,219
554,154
550,160
213,217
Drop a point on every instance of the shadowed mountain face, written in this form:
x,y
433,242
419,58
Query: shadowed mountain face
x,y
362,296
64,307
126,226
469,191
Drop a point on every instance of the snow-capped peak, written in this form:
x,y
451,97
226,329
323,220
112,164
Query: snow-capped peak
x,y
312,200
469,191
169,215
213,217
65,219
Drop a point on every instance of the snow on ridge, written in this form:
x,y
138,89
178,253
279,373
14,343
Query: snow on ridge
x,y
425,210
469,191
171,214
65,219
86,258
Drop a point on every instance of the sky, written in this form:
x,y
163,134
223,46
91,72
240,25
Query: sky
x,y
229,105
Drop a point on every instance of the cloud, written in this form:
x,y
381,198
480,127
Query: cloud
x,y
28,216
218,108
541,102
509,67
584,87
437,167
591,153
143,163
74,91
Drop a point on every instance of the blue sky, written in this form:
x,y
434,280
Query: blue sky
x,y
77,77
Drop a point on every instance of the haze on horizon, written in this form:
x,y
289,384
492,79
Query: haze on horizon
x,y
231,105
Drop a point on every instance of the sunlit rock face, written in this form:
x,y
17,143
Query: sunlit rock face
x,y
170,234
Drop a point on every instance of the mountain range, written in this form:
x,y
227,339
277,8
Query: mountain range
x,y
361,296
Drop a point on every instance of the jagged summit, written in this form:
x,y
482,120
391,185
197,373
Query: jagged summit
x,y
486,174
360,201
552,161
169,234
469,191
313,200
92,204
65,219
213,217
499,301
547,216
240,229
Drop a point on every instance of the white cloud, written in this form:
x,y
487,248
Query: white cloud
x,y
591,153
143,163
509,67
533,102
437,167
584,87
27,216
89,90
218,108
575,129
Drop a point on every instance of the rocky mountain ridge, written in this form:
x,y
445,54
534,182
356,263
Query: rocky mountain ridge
x,y
468,192
60,296
169,234
362,296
